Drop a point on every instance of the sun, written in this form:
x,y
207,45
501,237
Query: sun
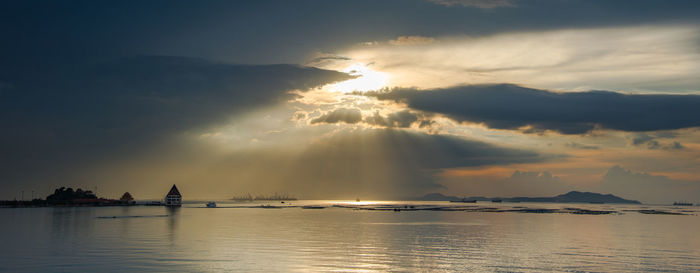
x,y
366,79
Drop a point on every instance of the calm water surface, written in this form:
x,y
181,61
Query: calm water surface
x,y
197,239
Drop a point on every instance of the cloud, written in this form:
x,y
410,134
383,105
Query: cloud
x,y
123,107
482,4
650,142
581,146
648,188
400,119
299,115
346,115
644,58
286,37
512,107
324,58
411,40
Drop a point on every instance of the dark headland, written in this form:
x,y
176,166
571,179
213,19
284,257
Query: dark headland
x,y
570,197
67,197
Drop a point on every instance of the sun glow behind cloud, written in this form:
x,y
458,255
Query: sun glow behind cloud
x,y
640,58
366,79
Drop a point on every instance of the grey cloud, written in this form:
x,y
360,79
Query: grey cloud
x,y
346,115
676,146
581,146
401,119
651,142
326,58
642,139
426,123
512,107
44,32
299,115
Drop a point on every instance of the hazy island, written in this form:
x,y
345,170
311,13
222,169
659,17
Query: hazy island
x,y
570,197
262,197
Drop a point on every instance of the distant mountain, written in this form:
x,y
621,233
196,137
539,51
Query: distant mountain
x,y
576,197
569,197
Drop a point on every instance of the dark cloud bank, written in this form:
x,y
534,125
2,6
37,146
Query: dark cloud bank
x,y
109,109
39,32
505,106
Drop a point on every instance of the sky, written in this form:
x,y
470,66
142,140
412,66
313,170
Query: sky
x,y
351,99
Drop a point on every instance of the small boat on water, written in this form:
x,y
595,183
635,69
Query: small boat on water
x,y
682,204
211,205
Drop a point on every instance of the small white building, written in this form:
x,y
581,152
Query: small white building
x,y
174,198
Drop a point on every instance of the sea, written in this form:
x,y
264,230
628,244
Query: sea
x,y
350,236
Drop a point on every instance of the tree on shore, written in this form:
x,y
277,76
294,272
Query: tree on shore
x,y
63,195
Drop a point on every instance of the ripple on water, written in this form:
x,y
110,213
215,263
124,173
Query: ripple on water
x,y
346,240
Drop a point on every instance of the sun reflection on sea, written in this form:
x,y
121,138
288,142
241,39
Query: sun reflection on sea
x,y
362,203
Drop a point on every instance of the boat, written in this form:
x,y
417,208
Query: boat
x,y
496,200
682,204
211,205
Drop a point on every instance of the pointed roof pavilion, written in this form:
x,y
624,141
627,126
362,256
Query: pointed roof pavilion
x,y
127,197
174,191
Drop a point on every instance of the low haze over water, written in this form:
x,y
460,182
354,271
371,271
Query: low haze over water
x,y
232,238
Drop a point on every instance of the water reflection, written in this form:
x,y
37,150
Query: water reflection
x,y
192,239
172,223
70,224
